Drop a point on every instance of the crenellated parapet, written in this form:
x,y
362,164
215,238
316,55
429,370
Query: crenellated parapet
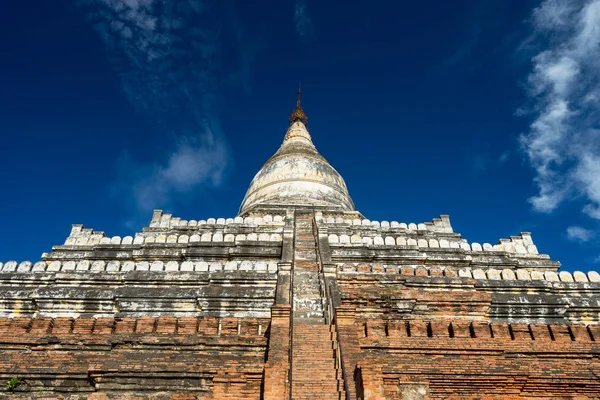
x,y
163,220
341,221
436,234
31,329
381,331
408,238
111,266
472,273
164,229
433,243
169,239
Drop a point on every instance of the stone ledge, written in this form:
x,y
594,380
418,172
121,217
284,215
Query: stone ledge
x,y
495,334
68,329
440,225
115,266
577,277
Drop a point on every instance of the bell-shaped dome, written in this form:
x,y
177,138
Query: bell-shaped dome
x,y
297,175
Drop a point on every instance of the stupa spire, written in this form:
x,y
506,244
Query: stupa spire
x,y
297,174
298,114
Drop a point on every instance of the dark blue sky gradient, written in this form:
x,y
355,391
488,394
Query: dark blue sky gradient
x,y
413,103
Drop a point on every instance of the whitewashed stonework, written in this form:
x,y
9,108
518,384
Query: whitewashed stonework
x,y
298,174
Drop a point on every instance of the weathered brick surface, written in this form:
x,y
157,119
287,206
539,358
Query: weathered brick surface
x,y
125,358
398,358
276,381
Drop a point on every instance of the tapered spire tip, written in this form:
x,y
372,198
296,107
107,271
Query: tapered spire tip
x,y
298,114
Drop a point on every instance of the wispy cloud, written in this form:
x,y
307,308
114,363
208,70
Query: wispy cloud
x,y
563,142
167,54
579,234
197,160
302,20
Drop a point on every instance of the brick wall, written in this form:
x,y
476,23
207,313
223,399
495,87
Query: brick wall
x,y
458,359
75,357
276,384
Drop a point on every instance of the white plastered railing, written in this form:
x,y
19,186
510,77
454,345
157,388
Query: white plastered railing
x,y
80,236
126,266
440,225
476,273
522,244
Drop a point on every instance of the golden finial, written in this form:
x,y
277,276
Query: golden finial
x,y
298,114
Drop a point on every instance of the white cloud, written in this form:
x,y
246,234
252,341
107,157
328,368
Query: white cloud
x,y
302,20
504,157
579,234
167,55
200,161
554,14
562,144
165,52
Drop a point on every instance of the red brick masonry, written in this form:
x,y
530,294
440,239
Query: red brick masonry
x,y
134,357
208,358
418,359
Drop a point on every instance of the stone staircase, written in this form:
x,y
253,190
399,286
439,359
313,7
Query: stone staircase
x,y
308,297
314,373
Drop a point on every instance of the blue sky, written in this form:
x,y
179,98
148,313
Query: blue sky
x,y
484,110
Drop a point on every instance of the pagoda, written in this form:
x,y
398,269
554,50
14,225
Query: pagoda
x,y
298,296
